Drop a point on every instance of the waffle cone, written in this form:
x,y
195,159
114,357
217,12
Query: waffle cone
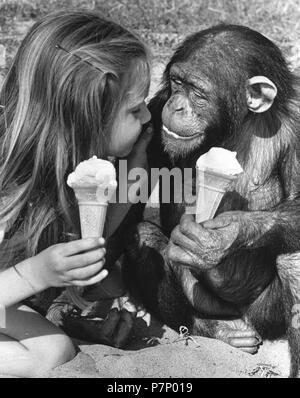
x,y
211,187
92,219
92,202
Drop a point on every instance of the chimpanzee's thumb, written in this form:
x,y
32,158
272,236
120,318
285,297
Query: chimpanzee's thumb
x,y
144,140
218,222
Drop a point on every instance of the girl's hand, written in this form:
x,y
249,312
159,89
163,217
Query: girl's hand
x,y
76,263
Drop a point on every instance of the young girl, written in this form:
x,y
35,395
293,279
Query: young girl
x,y
76,89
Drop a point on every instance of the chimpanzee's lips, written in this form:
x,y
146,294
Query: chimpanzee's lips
x,y
177,136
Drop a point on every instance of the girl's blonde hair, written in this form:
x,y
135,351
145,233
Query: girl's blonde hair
x,y
68,79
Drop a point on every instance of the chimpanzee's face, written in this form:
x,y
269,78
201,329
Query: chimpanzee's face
x,y
190,111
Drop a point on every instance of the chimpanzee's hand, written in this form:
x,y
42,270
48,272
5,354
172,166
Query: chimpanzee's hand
x,y
203,246
225,219
119,322
114,330
138,156
256,228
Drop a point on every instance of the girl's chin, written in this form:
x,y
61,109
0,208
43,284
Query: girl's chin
x,y
121,154
126,153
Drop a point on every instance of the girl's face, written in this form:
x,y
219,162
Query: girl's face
x,y
127,127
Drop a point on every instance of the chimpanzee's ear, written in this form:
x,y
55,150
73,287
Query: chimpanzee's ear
x,y
260,92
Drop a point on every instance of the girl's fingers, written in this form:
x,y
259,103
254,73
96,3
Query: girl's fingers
x,y
92,281
82,245
86,272
86,259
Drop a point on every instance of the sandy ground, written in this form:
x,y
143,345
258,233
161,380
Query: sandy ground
x,y
158,351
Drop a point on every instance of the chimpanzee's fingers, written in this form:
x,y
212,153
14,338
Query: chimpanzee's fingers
x,y
124,328
243,342
176,254
224,219
250,345
187,217
240,334
183,241
192,230
250,350
218,222
110,323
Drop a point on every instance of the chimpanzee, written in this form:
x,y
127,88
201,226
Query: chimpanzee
x,y
236,277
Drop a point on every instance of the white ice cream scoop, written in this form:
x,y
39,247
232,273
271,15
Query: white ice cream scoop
x,y
220,159
93,176
216,170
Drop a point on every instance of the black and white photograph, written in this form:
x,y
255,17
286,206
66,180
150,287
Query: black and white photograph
x,y
149,191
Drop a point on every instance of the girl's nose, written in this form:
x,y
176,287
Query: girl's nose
x,y
145,114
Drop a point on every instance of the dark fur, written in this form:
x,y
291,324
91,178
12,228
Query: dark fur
x,y
260,281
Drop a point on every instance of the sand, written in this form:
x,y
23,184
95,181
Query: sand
x,y
157,351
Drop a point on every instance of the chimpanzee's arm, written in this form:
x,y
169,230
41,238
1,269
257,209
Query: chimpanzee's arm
x,y
117,242
119,239
279,227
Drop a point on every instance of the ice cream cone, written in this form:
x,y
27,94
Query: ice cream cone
x,y
94,183
92,218
92,203
216,170
92,213
211,187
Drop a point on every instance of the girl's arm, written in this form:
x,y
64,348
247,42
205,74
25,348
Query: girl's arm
x,y
15,284
18,283
77,263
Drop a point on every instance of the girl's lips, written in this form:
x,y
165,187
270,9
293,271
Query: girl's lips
x,y
179,137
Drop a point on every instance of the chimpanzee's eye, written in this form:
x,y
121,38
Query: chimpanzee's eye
x,y
176,81
199,94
